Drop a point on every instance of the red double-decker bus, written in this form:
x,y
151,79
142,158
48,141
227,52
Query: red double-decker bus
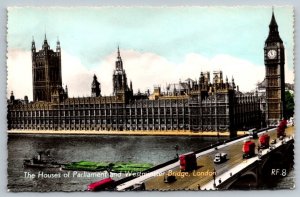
x,y
105,184
188,162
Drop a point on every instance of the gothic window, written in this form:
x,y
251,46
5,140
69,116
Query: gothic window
x,y
168,111
138,112
120,111
180,110
180,120
132,111
156,111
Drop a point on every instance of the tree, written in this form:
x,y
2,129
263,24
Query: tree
x,y
289,104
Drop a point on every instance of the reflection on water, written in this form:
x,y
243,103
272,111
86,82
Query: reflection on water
x,y
70,148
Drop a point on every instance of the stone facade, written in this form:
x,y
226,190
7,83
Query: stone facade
x,y
197,106
275,81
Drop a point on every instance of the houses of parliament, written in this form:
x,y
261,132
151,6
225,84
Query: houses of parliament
x,y
193,105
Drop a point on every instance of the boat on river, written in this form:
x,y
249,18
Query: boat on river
x,y
37,162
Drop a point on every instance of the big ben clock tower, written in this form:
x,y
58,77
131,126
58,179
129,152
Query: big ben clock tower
x,y
275,82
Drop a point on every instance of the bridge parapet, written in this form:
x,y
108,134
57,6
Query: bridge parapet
x,y
253,169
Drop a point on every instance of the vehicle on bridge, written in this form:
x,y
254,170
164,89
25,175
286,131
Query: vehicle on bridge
x,y
188,162
105,184
264,141
220,157
139,187
169,178
281,128
253,133
248,149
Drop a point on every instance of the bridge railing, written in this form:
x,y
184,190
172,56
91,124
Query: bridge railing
x,y
129,178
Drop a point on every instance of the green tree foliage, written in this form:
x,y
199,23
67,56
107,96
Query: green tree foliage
x,y
290,105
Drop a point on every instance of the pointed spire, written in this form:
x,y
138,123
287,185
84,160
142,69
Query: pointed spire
x,y
33,44
273,20
119,63
45,45
119,56
273,30
57,45
58,42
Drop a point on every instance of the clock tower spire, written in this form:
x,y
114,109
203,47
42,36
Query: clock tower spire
x,y
274,66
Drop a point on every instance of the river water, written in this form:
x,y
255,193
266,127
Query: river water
x,y
72,148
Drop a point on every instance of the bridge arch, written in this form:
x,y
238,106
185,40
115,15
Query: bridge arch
x,y
276,165
248,180
275,160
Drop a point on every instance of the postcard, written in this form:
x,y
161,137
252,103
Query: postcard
x,y
150,98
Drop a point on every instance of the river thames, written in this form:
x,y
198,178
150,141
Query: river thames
x,y
101,148
98,148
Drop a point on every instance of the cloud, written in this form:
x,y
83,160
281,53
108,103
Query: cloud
x,y
145,69
77,77
19,79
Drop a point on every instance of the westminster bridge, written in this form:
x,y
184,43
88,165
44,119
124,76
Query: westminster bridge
x,y
236,173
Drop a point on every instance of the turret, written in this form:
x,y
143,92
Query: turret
x,y
119,62
66,90
46,45
96,90
58,46
131,86
33,49
12,97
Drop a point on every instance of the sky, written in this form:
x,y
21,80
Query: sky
x,y
158,45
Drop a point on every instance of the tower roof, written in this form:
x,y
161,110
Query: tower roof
x,y
45,45
119,56
119,62
273,31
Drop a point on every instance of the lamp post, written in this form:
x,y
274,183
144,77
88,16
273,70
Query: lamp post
x,y
176,149
214,177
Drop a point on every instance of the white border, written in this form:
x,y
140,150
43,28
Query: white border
x,y
3,135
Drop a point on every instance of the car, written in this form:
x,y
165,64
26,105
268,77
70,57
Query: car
x,y
273,141
139,187
220,157
169,179
253,133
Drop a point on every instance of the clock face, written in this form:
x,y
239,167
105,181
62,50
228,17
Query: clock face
x,y
272,54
